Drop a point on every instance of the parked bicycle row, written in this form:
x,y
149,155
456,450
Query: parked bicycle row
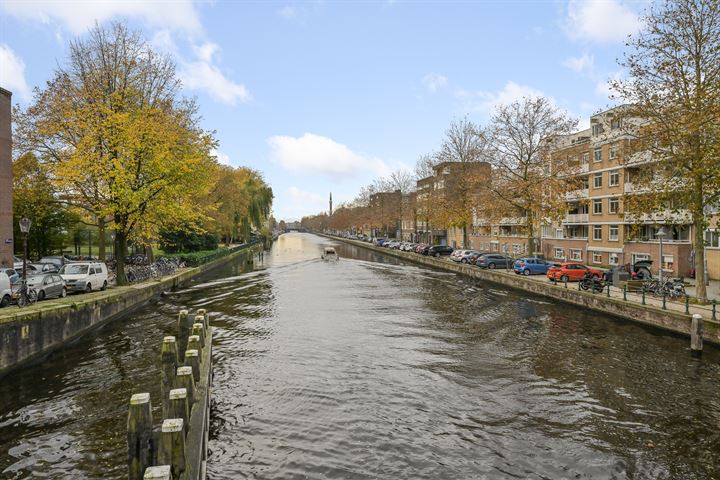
x,y
139,273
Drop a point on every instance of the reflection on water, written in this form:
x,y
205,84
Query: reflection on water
x,y
370,368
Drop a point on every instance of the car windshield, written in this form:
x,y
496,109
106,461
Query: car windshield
x,y
74,269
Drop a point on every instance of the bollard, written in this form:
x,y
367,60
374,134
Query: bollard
x,y
201,320
579,285
687,305
184,327
194,344
172,445
139,435
168,364
664,307
179,407
193,360
696,335
714,304
160,472
608,290
625,293
565,280
643,297
554,280
197,329
184,379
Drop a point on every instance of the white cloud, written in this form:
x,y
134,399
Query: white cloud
x,y
202,72
603,87
306,198
12,73
600,20
222,158
582,64
433,82
288,12
485,102
315,154
78,16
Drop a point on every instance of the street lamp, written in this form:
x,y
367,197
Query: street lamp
x,y
112,242
25,228
661,233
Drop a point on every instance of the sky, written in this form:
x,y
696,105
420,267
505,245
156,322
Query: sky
x,y
326,96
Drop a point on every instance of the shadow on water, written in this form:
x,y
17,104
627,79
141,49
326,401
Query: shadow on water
x,y
373,368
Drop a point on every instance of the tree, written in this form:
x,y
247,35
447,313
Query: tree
x,y
33,197
118,140
524,181
465,146
674,89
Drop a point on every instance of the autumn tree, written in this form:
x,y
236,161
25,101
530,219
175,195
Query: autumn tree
x,y
524,181
674,88
463,147
117,138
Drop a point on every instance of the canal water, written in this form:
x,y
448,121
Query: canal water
x,y
368,368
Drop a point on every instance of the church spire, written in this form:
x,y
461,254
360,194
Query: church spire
x,y
331,204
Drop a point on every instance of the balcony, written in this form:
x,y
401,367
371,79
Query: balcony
x,y
576,218
513,221
666,216
577,194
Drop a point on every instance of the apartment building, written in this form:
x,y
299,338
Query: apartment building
x,y
385,211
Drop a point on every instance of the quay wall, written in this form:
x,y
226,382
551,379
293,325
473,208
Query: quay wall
x,y
31,332
653,316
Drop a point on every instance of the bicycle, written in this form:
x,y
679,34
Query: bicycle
x,y
26,296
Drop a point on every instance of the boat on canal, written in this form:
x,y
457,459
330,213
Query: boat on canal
x,y
329,254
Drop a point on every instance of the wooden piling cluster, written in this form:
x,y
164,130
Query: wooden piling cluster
x,y
176,449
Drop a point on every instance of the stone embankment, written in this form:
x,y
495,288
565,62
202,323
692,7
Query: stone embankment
x,y
675,317
30,332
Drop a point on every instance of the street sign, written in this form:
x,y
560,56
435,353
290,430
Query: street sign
x,y
8,241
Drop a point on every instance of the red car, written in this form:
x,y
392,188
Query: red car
x,y
572,272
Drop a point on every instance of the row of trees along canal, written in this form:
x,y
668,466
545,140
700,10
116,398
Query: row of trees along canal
x,y
671,100
110,142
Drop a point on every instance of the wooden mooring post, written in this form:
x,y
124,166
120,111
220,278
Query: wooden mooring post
x,y
176,450
696,335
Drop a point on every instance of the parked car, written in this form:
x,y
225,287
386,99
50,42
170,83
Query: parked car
x,y
469,256
40,267
422,249
5,290
58,260
85,276
455,256
47,285
532,266
379,241
11,273
572,272
474,255
439,250
494,260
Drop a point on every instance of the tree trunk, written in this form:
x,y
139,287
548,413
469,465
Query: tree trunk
x,y
699,247
101,239
466,238
531,237
120,252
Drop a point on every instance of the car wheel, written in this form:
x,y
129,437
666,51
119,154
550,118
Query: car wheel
x,y
463,261
437,255
104,287
63,292
41,295
5,301
526,272
491,265
88,288
564,278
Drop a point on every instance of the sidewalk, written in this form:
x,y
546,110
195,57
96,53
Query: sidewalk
x,y
713,290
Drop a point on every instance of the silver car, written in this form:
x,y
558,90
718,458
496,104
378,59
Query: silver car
x,y
47,285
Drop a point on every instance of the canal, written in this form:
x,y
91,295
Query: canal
x,y
369,368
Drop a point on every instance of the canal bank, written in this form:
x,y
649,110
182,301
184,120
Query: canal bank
x,y
32,332
655,316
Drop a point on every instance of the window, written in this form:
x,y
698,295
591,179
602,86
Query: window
x,y
668,263
615,124
559,253
575,254
558,233
613,152
712,238
637,257
614,178
585,158
597,155
597,129
613,205
613,260
613,235
597,257
597,207
597,180
597,232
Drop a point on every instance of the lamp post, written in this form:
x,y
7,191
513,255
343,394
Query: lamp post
x,y
112,243
661,233
25,228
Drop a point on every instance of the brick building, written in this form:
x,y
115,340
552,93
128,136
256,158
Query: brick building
x,y
6,181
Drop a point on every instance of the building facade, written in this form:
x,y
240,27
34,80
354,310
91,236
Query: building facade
x,y
6,181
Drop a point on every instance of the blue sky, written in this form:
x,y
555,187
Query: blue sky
x,y
325,96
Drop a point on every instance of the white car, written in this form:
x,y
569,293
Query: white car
x,y
5,291
85,276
